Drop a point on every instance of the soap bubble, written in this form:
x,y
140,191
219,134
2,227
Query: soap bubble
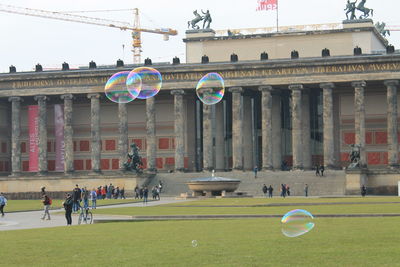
x,y
116,90
151,82
210,89
194,243
297,222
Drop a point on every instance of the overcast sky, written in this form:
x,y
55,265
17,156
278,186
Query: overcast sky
x,y
26,41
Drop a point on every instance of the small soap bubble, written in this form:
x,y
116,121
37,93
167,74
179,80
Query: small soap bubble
x,y
297,222
150,85
210,89
194,243
116,90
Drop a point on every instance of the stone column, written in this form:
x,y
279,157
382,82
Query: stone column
x,y
237,127
15,135
359,119
95,130
248,161
329,144
266,127
68,134
219,137
297,130
123,134
276,131
207,138
305,122
393,148
42,124
179,129
151,134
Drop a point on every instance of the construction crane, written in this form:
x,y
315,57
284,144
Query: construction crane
x,y
135,28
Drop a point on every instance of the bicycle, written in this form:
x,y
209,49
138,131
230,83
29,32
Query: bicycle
x,y
85,216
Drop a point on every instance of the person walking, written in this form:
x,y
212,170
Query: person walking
x,y
76,198
136,192
255,171
93,198
322,169
265,190
68,203
288,190
43,191
363,191
145,194
283,190
3,203
317,170
85,196
306,190
46,206
122,193
270,190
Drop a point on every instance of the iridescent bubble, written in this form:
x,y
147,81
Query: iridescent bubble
x,y
116,90
151,82
210,89
297,222
194,243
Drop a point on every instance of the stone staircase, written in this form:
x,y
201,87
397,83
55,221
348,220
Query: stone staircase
x,y
331,184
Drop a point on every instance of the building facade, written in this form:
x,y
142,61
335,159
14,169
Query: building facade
x,y
277,113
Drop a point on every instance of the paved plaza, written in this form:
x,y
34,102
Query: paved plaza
x,y
31,219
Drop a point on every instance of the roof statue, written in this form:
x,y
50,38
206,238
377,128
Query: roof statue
x,y
351,9
380,26
206,20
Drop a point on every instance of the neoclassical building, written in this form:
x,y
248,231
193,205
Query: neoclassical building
x,y
298,109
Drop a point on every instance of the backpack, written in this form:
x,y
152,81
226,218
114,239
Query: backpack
x,y
50,201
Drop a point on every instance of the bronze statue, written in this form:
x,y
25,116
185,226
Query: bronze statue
x,y
351,8
361,7
380,26
196,20
134,162
355,156
206,19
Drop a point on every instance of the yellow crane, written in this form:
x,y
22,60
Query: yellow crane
x,y
135,28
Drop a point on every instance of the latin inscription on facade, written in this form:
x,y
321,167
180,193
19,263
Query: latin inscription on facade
x,y
226,74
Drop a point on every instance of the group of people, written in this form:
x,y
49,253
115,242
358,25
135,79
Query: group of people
x,y
285,190
110,192
143,192
268,190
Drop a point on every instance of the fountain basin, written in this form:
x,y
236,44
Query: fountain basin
x,y
212,186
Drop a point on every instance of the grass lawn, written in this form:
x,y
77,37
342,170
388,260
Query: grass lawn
x,y
21,205
240,206
250,242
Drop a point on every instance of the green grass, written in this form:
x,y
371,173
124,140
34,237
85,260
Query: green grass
x,y
261,201
22,205
251,242
241,206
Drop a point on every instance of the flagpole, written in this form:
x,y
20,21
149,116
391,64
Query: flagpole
x,y
277,16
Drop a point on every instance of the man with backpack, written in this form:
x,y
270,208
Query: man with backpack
x,y
68,202
3,202
46,205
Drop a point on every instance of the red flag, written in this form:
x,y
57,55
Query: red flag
x,y
267,5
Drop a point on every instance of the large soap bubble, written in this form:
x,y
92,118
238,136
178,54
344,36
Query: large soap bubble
x,y
151,82
210,89
116,89
297,222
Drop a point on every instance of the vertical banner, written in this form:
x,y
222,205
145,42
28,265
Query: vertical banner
x,y
59,134
33,123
